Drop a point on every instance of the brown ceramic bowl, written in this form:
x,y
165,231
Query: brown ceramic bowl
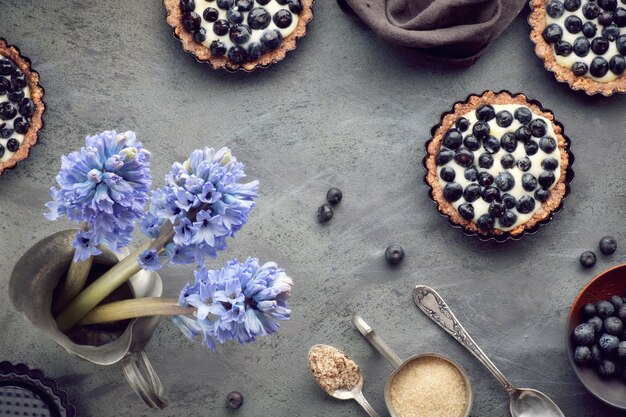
x,y
608,283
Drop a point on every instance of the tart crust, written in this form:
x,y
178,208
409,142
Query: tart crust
x,y
537,21
203,54
434,145
36,94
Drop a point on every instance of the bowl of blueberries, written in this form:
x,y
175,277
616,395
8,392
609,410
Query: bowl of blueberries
x,y
596,336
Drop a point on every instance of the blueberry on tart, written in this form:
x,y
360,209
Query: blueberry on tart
x,y
582,42
497,165
21,106
239,34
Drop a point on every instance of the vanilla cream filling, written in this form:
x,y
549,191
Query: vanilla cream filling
x,y
272,7
568,61
9,123
481,206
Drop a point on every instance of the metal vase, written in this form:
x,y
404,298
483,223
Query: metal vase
x,y
33,281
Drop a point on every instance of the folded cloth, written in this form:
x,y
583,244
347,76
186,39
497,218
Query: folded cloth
x,y
452,30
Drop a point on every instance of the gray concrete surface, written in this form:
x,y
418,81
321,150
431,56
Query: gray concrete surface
x,y
343,110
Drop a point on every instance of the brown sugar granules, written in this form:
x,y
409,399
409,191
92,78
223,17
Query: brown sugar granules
x,y
333,369
428,387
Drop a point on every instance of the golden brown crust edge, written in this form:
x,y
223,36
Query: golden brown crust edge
x,y
537,21
202,53
36,93
460,109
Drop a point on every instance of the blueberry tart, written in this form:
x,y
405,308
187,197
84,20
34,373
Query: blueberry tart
x,y
497,165
239,34
582,42
21,106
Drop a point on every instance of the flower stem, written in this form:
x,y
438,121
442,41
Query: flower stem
x,y
135,307
74,282
98,290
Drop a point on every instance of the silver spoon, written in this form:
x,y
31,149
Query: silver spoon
x,y
524,402
354,393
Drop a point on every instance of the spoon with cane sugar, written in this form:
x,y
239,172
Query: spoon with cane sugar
x,y
338,375
524,402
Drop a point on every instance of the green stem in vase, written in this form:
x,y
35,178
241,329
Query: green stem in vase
x,y
121,272
135,307
73,284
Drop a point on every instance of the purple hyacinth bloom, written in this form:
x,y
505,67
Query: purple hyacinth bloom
x,y
84,245
104,187
149,260
205,200
238,302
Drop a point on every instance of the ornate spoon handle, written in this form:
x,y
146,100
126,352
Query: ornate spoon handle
x,y
366,406
438,311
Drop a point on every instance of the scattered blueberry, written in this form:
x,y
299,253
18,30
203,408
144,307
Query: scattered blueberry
x,y
579,68
621,313
546,179
5,132
187,5
334,195
496,210
244,5
19,80
610,32
21,125
295,6
584,334
5,85
563,48
607,4
588,259
591,10
619,17
234,15
605,18
555,9
240,34
1,151
621,44
7,111
547,144
221,27
599,45
394,254
234,399
608,245
538,128
200,35
7,67
508,200
529,182
599,67
225,4
617,302
255,50
324,213
571,5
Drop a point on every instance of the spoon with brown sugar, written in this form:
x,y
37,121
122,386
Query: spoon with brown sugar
x,y
338,375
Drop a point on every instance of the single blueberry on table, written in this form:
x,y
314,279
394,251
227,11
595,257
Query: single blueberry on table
x,y
444,156
529,182
324,213
582,355
597,323
394,254
584,334
525,204
588,259
508,219
541,194
490,194
334,195
604,308
485,179
599,67
462,124
464,157
471,143
508,142
523,115
507,161
452,192
492,144
553,33
466,210
608,245
485,113
481,130
234,400
485,222
485,160
614,326
13,145
447,174
589,310
547,144
472,192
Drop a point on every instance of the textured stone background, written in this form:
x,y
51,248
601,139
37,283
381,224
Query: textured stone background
x,y
343,110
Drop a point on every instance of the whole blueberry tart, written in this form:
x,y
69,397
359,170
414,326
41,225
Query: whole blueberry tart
x,y
497,164
21,106
239,34
582,42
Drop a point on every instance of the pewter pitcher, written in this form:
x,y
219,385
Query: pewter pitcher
x,y
33,280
